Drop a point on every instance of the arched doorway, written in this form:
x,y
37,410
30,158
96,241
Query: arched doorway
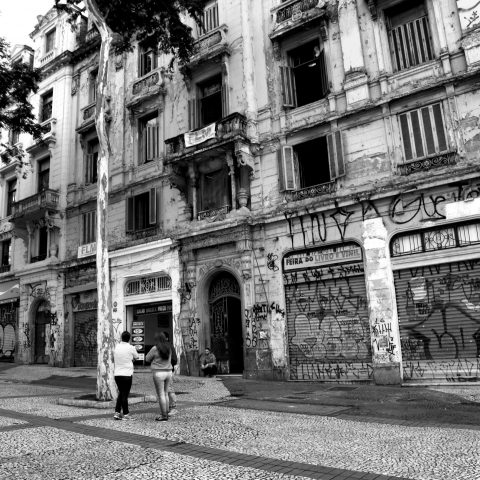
x,y
41,322
226,323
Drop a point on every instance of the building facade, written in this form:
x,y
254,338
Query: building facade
x,y
303,197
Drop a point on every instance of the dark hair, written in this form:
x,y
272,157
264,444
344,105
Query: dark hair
x,y
163,347
126,336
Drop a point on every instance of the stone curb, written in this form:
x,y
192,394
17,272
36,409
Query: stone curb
x,y
78,402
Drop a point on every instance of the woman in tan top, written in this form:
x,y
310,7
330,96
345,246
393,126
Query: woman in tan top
x,y
160,357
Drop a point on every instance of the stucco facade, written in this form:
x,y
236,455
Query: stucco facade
x,y
303,198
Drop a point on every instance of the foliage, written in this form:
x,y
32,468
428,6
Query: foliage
x,y
154,23
17,81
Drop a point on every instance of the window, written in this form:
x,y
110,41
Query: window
x,y
147,60
409,34
92,87
46,107
11,194
211,104
42,245
43,175
93,148
142,211
423,132
49,41
305,78
311,163
6,247
89,227
149,142
209,19
215,190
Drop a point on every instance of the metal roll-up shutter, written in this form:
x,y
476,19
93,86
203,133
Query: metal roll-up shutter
x,y
439,319
85,339
328,327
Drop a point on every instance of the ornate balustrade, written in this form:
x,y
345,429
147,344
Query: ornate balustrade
x,y
424,164
210,44
294,9
151,80
47,57
145,233
214,213
46,200
314,191
89,112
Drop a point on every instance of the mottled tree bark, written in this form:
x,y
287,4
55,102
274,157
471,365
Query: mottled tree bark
x,y
106,389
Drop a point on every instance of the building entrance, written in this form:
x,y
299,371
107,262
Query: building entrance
x,y
41,322
226,323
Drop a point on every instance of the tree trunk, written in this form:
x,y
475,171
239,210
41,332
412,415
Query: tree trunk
x,y
106,389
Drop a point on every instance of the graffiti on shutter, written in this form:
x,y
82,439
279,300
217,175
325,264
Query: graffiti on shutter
x,y
85,339
439,319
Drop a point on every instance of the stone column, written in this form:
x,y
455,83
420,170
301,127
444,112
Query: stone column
x,y
384,328
231,173
355,86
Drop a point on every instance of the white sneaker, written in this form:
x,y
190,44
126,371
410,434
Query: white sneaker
x,y
117,416
128,417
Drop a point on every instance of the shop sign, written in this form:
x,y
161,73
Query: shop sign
x,y
153,309
87,250
322,256
138,339
85,301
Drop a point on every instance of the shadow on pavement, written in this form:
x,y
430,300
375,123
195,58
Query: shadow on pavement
x,y
81,382
412,404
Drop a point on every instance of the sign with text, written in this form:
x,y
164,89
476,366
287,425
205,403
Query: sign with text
x,y
138,338
87,250
320,257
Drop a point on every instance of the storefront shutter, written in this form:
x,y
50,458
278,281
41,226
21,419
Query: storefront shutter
x,y
439,317
85,339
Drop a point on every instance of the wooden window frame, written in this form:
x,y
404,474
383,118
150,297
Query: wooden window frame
x,y
149,138
131,207
89,227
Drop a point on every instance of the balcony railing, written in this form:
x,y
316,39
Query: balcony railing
x,y
89,112
425,164
214,213
151,80
295,9
47,57
226,129
48,199
314,191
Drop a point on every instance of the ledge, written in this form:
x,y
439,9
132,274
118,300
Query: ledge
x,y
88,401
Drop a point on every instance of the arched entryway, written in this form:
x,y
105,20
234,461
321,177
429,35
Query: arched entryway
x,y
41,321
226,336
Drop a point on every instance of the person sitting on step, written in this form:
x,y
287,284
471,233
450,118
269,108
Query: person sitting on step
x,y
208,363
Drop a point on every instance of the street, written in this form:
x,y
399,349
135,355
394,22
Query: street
x,y
218,436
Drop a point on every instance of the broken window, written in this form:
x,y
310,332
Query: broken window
x,y
148,133
93,148
409,34
215,190
211,104
311,163
305,78
142,211
423,132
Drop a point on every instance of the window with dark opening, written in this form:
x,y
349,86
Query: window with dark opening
x,y
93,148
409,35
215,190
6,246
11,194
89,227
92,87
147,60
49,41
305,79
149,143
46,107
313,166
142,211
43,175
42,245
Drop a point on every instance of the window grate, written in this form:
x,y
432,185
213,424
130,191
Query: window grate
x,y
145,285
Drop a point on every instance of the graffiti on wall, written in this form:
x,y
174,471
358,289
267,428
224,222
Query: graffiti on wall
x,y
272,262
439,316
256,323
85,343
384,347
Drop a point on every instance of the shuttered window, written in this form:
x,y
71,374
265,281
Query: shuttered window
x,y
91,162
89,227
305,78
423,132
286,168
335,155
410,39
141,211
209,19
149,133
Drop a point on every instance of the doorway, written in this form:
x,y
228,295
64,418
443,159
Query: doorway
x,y
41,322
226,334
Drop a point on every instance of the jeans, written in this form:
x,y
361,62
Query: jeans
x,y
124,385
162,380
210,371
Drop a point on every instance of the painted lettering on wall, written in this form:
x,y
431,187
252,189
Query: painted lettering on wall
x,y
384,348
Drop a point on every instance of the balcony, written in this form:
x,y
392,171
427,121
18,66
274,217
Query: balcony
x,y
145,233
35,207
230,128
214,214
88,118
428,163
49,56
294,14
151,84
210,45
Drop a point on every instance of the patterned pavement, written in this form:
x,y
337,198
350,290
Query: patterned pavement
x,y
207,440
